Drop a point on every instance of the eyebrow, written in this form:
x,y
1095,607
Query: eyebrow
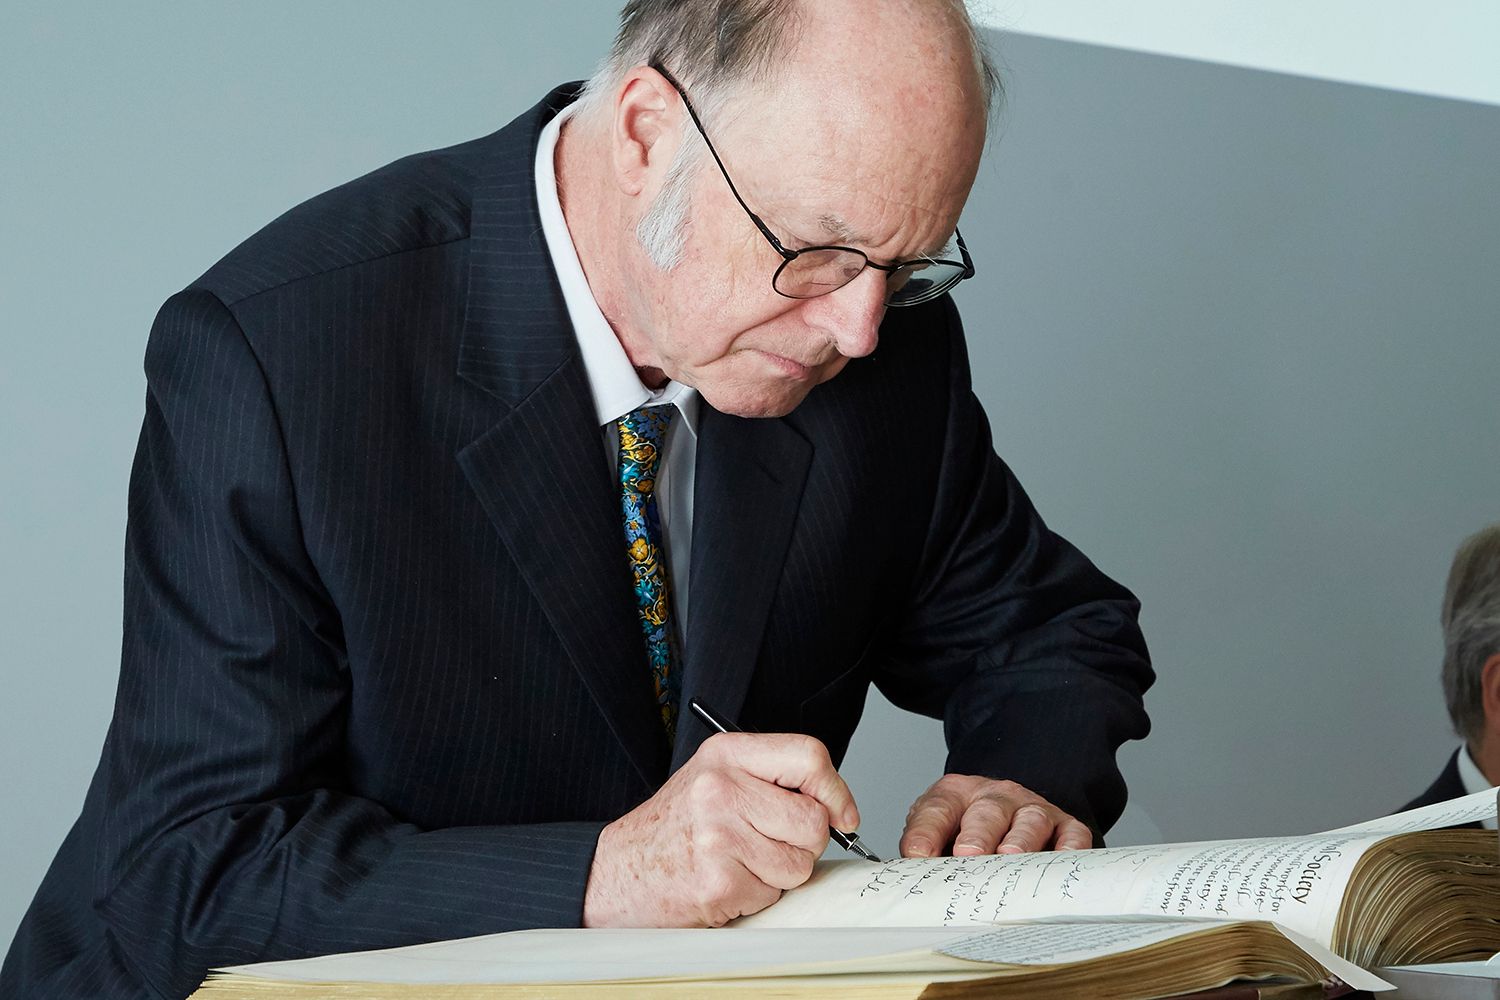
x,y
837,228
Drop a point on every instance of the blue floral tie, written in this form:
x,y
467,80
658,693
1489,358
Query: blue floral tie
x,y
642,436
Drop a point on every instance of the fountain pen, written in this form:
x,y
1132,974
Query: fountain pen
x,y
848,841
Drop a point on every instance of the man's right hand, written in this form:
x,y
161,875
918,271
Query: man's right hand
x,y
725,836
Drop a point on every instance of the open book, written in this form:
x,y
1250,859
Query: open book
x,y
1117,922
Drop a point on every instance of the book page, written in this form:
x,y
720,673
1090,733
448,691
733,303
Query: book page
x,y
1053,942
573,955
577,955
1455,812
1297,881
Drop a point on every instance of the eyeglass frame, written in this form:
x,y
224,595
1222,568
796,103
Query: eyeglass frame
x,y
787,256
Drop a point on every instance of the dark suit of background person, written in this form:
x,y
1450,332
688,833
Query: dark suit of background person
x,y
1449,785
383,680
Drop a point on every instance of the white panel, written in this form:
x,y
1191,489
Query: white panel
x,y
1447,48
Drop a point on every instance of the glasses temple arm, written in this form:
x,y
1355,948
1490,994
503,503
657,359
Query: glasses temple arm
x,y
764,230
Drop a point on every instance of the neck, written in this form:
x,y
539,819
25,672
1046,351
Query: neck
x,y
595,214
1486,754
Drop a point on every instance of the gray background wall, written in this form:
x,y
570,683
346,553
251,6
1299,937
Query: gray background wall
x,y
1237,332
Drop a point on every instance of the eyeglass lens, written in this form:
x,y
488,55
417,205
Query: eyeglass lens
x,y
820,271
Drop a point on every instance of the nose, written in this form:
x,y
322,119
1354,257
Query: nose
x,y
851,315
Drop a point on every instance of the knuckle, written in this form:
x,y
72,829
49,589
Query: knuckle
x,y
808,815
935,806
797,867
1032,812
947,783
812,752
988,809
715,887
718,916
760,897
723,746
713,788
713,839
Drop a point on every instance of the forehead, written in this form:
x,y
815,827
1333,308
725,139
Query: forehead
x,y
838,170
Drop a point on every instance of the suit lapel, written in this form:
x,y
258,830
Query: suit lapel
x,y
749,480
540,472
545,485
541,476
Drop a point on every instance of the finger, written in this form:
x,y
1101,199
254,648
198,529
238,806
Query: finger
x,y
777,864
931,824
730,890
1031,829
1074,836
984,822
785,816
793,761
728,831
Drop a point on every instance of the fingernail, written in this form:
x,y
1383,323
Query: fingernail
x,y
918,849
1009,849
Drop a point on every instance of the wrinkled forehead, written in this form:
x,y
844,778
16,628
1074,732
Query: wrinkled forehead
x,y
848,169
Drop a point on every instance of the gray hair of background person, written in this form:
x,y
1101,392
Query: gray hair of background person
x,y
713,47
1471,628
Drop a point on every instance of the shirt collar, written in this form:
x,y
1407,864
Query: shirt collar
x,y
1469,773
615,387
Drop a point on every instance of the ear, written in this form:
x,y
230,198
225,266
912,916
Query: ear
x,y
1489,686
645,132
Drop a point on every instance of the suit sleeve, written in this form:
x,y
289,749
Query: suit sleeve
x,y
229,833
1031,656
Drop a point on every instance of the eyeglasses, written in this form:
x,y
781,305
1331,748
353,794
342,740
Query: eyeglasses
x,y
818,270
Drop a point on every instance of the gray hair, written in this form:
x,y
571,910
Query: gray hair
x,y
713,47
662,231
1471,628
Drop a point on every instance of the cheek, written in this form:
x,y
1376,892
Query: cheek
x,y
695,340
709,330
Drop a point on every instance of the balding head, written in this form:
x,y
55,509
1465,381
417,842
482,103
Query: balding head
x,y
717,47
850,122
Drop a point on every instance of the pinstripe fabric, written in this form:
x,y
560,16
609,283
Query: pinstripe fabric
x,y
381,677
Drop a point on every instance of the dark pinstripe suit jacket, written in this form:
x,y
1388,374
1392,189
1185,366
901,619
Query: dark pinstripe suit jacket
x,y
382,680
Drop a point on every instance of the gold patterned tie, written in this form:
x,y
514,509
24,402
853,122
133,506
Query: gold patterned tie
x,y
642,435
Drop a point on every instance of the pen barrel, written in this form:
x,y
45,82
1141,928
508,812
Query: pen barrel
x,y
723,725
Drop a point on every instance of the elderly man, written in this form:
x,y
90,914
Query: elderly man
x,y
459,482
1471,669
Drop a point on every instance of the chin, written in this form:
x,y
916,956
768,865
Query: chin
x,y
754,401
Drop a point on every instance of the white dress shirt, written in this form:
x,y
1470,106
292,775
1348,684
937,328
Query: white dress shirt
x,y
616,388
1473,779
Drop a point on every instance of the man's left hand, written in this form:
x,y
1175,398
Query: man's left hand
x,y
984,816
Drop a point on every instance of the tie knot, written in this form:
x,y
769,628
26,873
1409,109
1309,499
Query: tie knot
x,y
641,434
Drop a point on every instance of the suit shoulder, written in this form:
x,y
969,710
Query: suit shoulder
x,y
1449,785
418,201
